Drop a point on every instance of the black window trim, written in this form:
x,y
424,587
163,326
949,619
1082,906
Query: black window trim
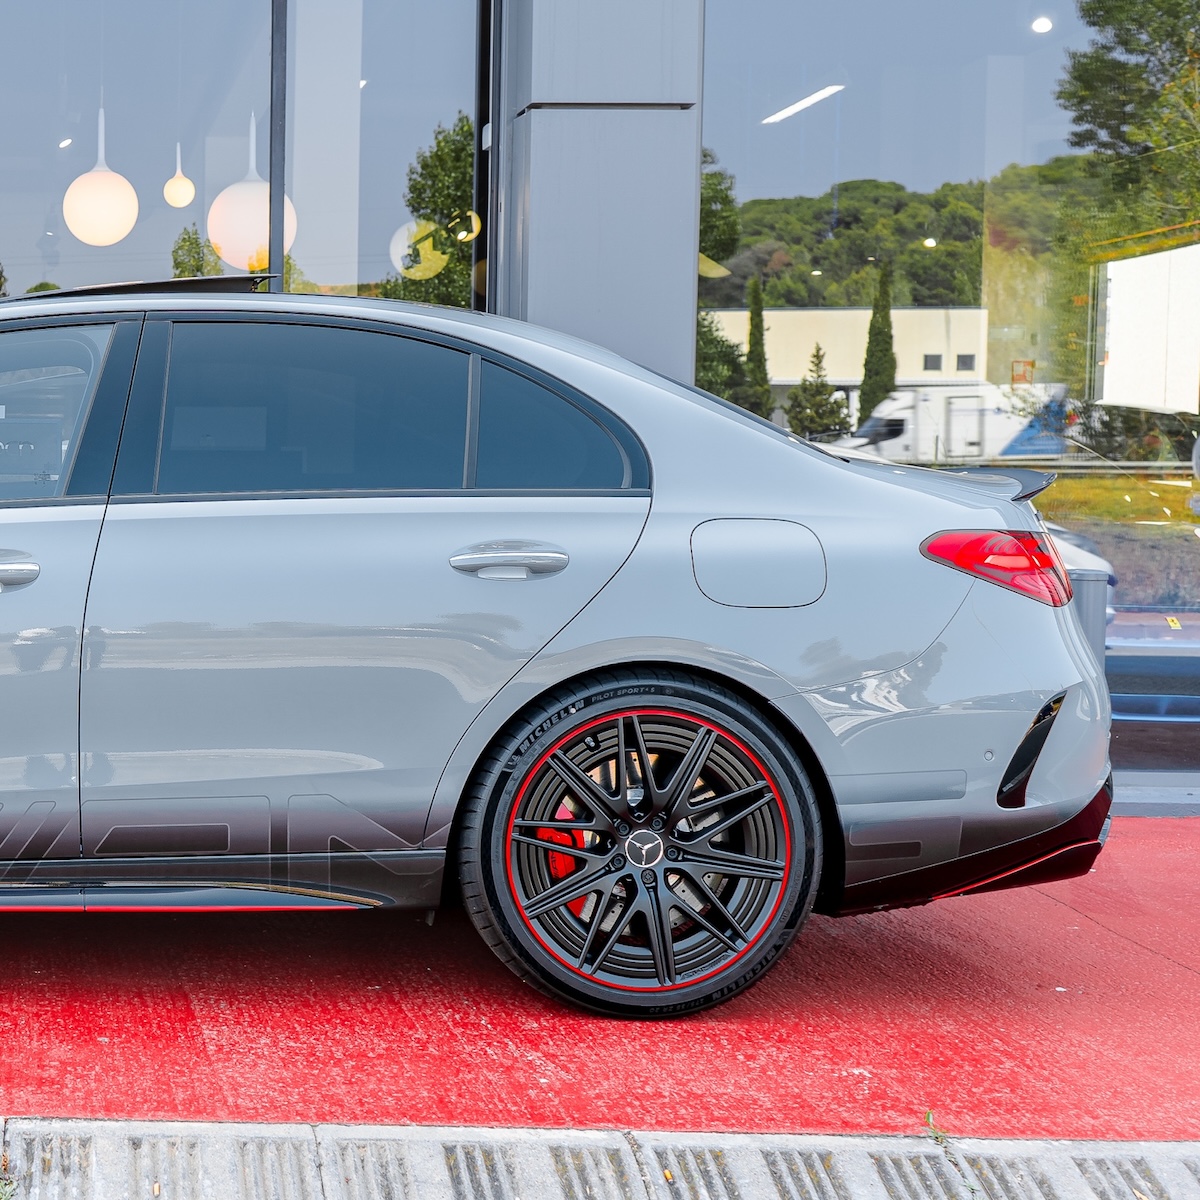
x,y
62,321
637,481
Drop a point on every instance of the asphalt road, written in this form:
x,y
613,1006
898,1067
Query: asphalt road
x,y
1065,1011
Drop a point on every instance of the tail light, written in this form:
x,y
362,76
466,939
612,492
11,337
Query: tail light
x,y
1015,559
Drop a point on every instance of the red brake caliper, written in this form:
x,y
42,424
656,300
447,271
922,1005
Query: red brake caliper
x,y
562,865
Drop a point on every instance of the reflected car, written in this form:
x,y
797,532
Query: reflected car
x,y
328,603
1080,553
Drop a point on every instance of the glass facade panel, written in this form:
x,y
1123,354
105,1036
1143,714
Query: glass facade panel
x,y
142,148
134,119
382,148
975,237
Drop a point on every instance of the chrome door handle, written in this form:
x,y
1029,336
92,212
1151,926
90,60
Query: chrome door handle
x,y
12,574
509,560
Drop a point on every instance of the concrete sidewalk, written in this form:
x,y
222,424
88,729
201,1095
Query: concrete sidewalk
x,y
99,1160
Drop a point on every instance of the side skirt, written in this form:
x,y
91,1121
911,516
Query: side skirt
x,y
211,883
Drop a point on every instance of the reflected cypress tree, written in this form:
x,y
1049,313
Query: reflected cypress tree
x,y
879,366
756,396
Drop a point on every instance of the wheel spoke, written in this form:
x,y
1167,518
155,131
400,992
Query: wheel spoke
x,y
658,922
572,888
718,933
556,848
674,796
562,826
738,815
622,771
619,926
696,879
726,863
586,789
706,806
649,787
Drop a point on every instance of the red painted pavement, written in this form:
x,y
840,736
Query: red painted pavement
x,y
1069,1010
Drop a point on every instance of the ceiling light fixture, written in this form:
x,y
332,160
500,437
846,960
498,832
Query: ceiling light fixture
x,y
65,143
807,102
179,191
239,218
100,207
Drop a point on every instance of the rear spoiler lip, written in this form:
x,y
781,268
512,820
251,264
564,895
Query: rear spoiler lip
x,y
1029,483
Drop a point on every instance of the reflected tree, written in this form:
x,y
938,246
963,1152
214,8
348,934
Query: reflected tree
x,y
438,195
193,255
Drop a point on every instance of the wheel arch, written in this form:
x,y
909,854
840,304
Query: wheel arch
x,y
833,866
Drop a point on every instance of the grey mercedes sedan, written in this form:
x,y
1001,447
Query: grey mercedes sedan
x,y
325,603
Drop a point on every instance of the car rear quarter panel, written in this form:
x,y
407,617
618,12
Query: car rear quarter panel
x,y
882,606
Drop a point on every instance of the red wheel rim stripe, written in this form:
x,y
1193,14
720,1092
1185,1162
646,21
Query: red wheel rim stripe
x,y
682,716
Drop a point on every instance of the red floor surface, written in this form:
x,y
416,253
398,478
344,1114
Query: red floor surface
x,y
1070,1010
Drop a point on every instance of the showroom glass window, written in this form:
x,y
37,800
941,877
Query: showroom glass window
x,y
1037,224
379,159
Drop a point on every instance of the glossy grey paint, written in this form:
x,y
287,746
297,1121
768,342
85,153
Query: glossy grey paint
x,y
297,672
901,675
40,629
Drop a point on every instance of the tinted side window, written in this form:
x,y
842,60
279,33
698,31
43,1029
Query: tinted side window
x,y
47,378
530,438
256,407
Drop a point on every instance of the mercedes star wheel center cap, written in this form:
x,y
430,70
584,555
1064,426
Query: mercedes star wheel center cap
x,y
644,848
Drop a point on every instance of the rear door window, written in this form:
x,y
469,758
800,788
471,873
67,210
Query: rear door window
x,y
263,407
47,380
532,439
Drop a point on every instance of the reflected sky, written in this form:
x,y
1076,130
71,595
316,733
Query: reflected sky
x,y
935,90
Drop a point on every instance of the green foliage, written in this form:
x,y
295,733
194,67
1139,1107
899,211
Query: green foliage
x,y
440,188
720,225
814,406
1171,128
720,366
1113,86
757,396
192,255
44,286
879,365
785,241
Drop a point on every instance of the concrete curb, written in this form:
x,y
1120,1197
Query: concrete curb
x,y
1156,794
116,1160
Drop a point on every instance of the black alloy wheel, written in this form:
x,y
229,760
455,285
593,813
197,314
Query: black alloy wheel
x,y
646,845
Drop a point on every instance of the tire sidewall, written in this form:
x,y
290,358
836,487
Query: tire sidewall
x,y
524,750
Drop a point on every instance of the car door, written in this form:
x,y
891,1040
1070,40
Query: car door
x,y
63,388
328,547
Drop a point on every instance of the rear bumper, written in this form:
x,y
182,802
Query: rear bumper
x,y
1063,852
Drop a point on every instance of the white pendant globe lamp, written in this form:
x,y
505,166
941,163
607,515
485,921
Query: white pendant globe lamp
x,y
100,207
239,219
179,191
